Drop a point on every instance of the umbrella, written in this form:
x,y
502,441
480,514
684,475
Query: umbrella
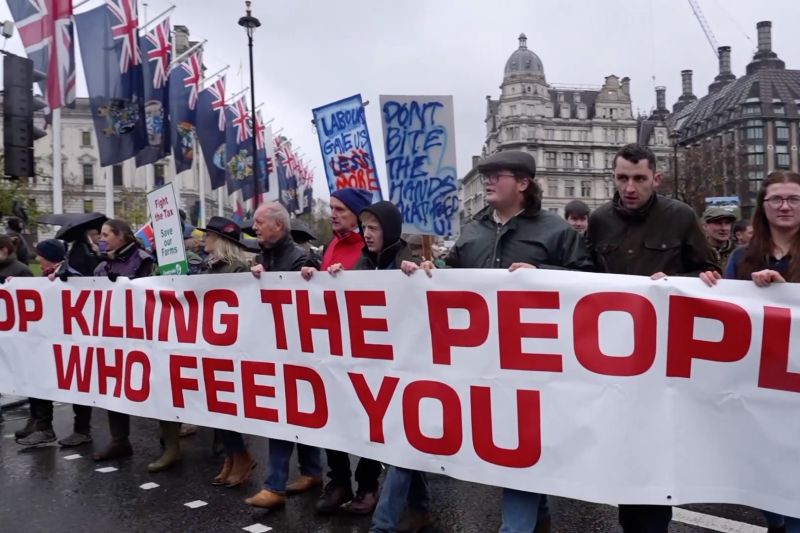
x,y
247,228
74,229
301,233
251,245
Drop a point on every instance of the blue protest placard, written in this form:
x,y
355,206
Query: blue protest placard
x,y
345,145
419,137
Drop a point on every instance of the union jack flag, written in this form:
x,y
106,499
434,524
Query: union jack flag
x,y
127,31
240,120
289,161
194,75
217,89
161,53
260,128
45,27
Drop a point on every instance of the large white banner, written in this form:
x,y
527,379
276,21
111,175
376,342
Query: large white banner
x,y
611,389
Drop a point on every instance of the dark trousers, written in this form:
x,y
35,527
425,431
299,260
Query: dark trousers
x,y
367,471
645,518
42,412
232,441
119,425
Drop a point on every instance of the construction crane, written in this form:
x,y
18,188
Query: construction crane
x,y
698,13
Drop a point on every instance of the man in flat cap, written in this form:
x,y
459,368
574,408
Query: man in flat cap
x,y
512,233
717,223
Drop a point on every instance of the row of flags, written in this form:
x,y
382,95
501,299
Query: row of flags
x,y
145,106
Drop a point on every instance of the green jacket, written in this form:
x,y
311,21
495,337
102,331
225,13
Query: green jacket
x,y
663,236
12,267
222,267
537,237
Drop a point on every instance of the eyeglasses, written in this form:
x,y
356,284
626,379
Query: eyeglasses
x,y
776,202
493,177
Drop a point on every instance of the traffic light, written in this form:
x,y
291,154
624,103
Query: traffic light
x,y
19,105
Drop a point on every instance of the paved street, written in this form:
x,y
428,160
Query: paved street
x,y
44,489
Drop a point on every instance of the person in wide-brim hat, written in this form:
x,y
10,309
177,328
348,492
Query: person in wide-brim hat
x,y
224,228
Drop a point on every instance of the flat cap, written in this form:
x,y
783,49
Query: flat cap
x,y
718,213
513,160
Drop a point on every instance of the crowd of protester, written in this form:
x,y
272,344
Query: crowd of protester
x,y
638,232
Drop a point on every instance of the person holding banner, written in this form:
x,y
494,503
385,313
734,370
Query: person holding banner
x,y
772,256
51,255
279,253
345,250
346,244
226,256
641,233
381,226
124,257
515,234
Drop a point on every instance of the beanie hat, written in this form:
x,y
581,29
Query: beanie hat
x,y
51,249
354,199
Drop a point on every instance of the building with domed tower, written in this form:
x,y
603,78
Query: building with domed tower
x,y
573,132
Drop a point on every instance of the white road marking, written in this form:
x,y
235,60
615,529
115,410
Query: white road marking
x,y
72,457
148,486
715,523
9,436
106,469
195,504
257,528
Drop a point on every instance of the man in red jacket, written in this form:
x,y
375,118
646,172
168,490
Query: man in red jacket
x,y
346,245
345,248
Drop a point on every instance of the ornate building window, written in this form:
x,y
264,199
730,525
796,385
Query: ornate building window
x,y
586,189
754,129
781,131
88,174
552,188
782,159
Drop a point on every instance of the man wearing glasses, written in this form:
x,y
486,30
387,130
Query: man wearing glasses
x,y
513,233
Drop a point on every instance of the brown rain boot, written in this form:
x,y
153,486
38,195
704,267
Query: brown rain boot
x,y
170,431
243,466
119,424
222,477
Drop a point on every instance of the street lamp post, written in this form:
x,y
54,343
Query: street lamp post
x,y
674,137
250,23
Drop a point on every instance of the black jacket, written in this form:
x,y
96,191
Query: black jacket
x,y
285,256
13,267
393,253
663,236
82,258
534,236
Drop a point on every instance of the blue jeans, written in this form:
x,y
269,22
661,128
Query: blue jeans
x,y
280,453
521,511
776,520
402,488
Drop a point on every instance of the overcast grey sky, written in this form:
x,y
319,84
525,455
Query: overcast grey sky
x,y
310,53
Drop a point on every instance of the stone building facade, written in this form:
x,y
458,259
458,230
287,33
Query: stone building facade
x,y
572,132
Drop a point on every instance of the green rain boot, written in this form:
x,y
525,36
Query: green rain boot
x,y
170,432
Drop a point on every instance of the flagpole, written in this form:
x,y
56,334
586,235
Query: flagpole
x,y
151,21
109,193
220,201
176,61
58,183
206,79
201,181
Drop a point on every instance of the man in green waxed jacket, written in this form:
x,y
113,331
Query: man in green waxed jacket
x,y
514,229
